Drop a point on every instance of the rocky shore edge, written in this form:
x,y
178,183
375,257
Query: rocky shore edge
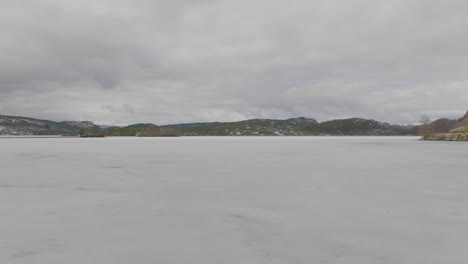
x,y
458,134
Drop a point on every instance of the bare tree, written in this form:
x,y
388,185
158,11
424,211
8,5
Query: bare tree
x,y
426,125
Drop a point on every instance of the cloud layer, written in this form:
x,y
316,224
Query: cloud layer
x,y
126,61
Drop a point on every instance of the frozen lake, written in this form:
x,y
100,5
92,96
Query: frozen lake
x,y
226,200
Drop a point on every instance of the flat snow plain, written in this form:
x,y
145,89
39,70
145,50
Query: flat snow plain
x,y
226,200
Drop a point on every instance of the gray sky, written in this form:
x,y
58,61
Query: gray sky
x,y
128,61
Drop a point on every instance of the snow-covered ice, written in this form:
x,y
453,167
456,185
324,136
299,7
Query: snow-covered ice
x,y
233,200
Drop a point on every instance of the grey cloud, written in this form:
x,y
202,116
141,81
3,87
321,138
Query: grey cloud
x,y
123,61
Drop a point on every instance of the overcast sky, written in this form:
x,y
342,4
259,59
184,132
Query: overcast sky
x,y
171,61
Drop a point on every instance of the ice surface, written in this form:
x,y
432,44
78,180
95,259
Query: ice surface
x,y
226,200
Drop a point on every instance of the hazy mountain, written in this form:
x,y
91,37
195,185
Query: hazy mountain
x,y
404,127
80,124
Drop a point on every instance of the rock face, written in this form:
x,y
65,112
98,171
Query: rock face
x,y
465,116
462,121
458,134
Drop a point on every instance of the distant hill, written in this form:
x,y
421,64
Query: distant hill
x,y
17,125
253,127
141,125
444,125
354,127
144,131
301,126
138,125
80,124
189,126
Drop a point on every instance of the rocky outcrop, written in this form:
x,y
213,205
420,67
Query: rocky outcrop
x,y
458,134
465,116
462,121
